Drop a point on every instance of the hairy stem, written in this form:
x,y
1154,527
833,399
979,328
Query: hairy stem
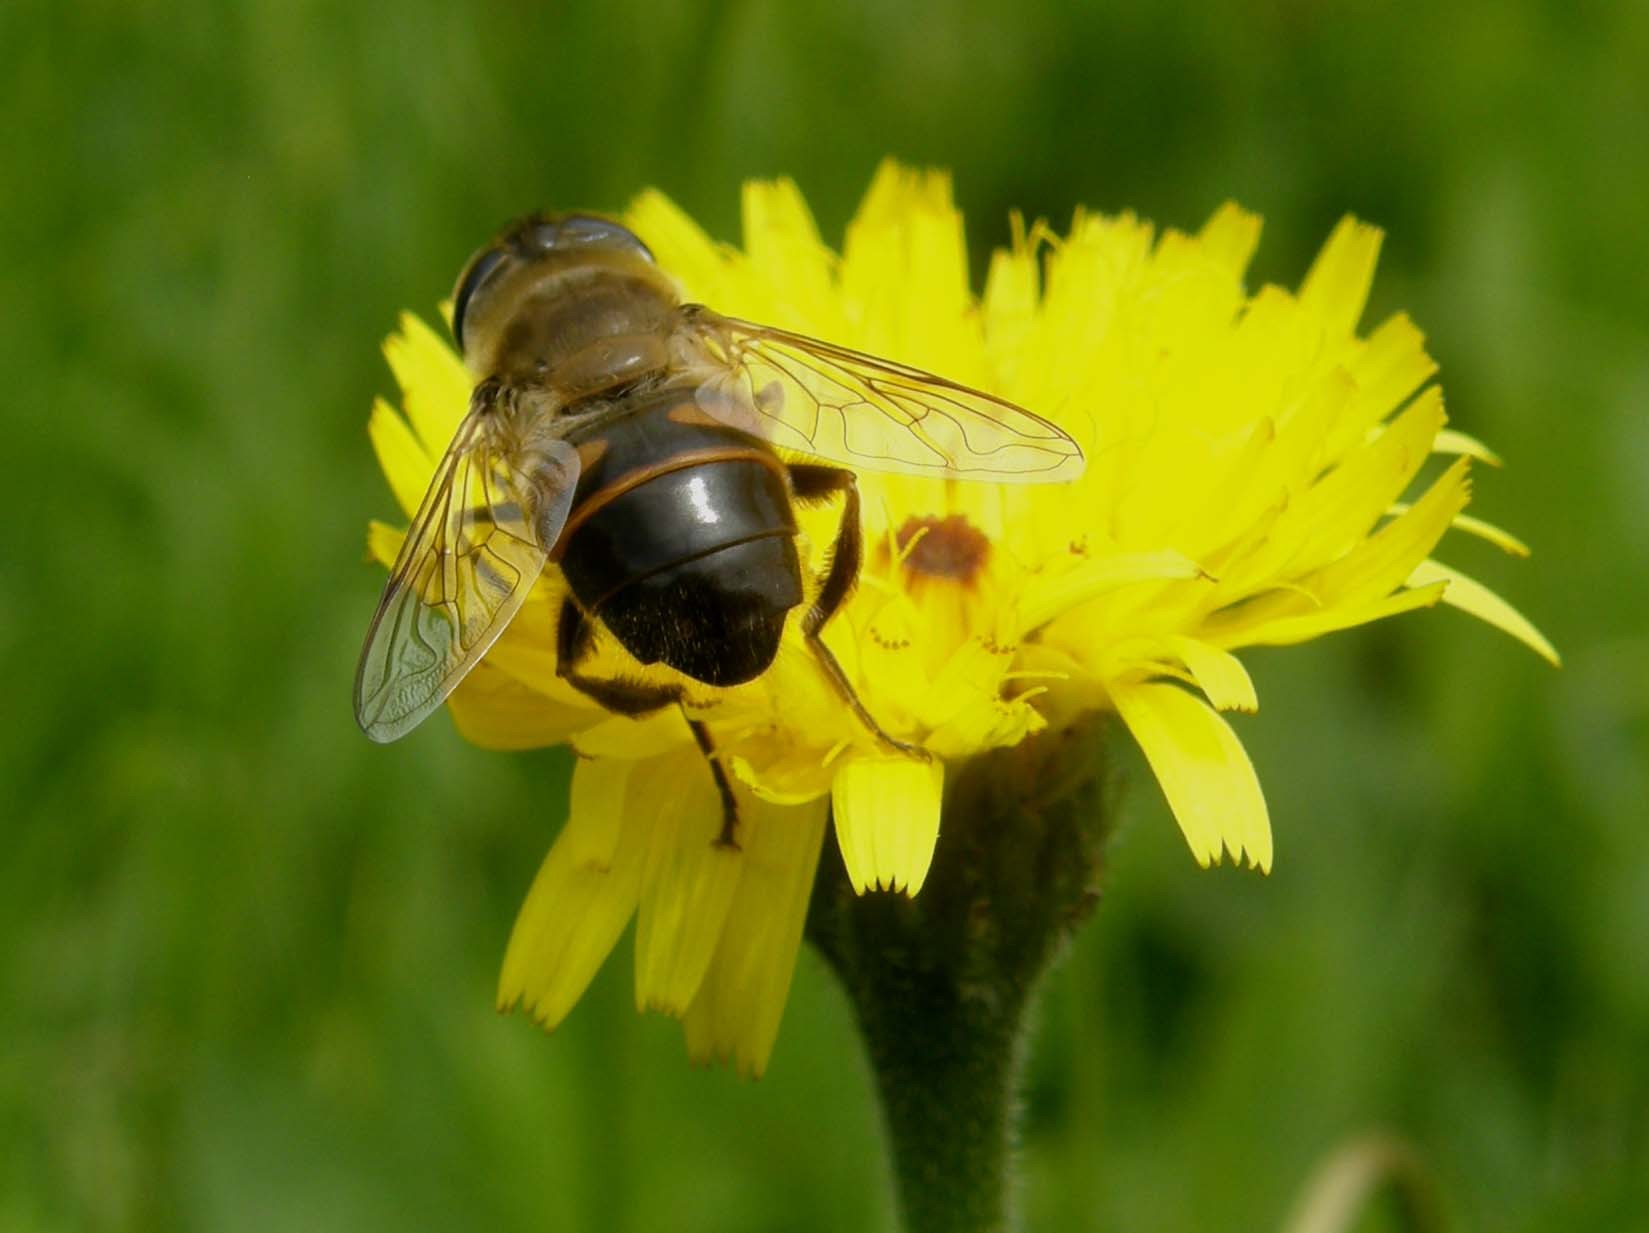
x,y
942,984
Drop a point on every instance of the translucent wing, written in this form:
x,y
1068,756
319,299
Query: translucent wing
x,y
470,559
817,398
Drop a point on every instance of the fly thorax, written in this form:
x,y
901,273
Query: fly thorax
x,y
587,336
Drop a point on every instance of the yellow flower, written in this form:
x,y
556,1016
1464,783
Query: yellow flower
x,y
1250,461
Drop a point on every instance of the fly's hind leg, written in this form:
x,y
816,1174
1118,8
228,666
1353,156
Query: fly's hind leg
x,y
728,838
574,640
814,483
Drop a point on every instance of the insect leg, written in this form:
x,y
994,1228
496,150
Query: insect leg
x,y
814,483
729,807
574,639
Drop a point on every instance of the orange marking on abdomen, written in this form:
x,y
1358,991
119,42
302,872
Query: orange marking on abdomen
x,y
631,480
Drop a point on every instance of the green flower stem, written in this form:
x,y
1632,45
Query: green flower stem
x,y
942,983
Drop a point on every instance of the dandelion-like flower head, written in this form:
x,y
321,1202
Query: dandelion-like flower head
x,y
1251,480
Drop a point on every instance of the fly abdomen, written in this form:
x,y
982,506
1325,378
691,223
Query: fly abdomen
x,y
718,618
693,565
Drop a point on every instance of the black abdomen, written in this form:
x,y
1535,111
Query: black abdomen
x,y
692,565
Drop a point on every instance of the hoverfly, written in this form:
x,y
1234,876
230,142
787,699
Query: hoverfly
x,y
633,441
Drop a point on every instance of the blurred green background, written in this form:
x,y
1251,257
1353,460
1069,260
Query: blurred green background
x,y
247,959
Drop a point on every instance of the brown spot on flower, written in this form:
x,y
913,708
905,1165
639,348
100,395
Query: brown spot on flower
x,y
946,548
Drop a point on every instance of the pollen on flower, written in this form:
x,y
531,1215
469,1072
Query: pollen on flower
x,y
948,548
1255,477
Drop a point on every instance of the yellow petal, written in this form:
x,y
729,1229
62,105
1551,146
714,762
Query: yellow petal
x,y
1009,306
435,385
1498,536
905,272
688,888
969,681
1352,589
990,725
1287,631
583,896
1218,673
680,246
887,820
1230,237
383,542
1472,596
1450,441
786,774
1203,769
525,651
1051,595
1337,286
620,737
597,792
1383,562
405,463
741,999
785,251
1338,511
492,709
1388,368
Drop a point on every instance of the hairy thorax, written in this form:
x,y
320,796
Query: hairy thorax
x,y
586,336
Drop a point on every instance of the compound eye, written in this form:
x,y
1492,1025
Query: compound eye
x,y
481,267
585,231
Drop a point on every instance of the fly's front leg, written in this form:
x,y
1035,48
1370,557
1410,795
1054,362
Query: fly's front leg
x,y
815,483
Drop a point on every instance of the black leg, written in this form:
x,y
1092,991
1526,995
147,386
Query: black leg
x,y
814,483
729,807
573,641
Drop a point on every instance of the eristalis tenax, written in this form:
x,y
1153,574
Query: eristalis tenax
x,y
633,442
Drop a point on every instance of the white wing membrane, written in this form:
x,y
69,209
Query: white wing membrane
x,y
847,407
475,548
